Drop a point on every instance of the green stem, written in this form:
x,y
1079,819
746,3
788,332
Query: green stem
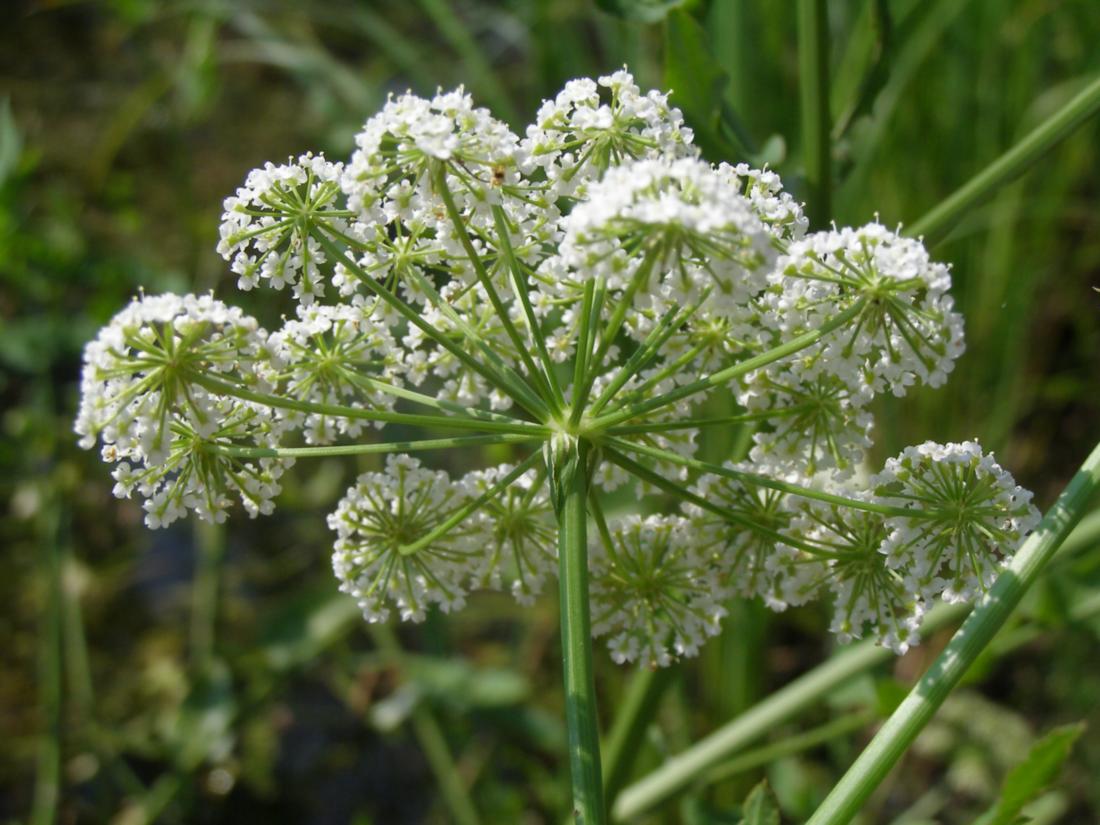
x,y
210,547
505,380
935,224
813,65
520,287
726,375
762,481
791,745
567,462
338,410
784,704
636,712
47,781
899,731
385,447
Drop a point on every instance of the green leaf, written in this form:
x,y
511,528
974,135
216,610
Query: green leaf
x,y
203,726
697,81
760,807
1024,782
11,142
298,631
647,11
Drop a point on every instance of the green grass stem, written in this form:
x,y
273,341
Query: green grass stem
x,y
936,224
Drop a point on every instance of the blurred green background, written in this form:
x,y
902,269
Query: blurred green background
x,y
199,675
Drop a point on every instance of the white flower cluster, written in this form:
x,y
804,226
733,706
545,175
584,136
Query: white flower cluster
x,y
414,537
905,328
593,278
269,226
145,394
973,514
655,592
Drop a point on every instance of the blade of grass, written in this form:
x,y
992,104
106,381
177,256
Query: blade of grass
x,y
935,224
47,781
899,731
637,709
813,68
483,77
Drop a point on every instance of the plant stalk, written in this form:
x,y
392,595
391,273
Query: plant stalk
x,y
567,462
935,224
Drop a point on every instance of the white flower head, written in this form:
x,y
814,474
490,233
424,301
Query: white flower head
x,y
335,355
594,125
654,594
673,232
524,532
394,545
969,517
906,329
869,595
270,227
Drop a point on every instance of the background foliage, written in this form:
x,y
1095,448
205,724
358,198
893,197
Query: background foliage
x,y
201,675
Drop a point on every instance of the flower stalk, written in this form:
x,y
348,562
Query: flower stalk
x,y
568,461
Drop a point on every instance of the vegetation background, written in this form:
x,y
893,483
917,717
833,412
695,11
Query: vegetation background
x,y
199,675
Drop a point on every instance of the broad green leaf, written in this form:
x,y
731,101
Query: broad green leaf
x,y
1039,768
697,81
647,11
760,807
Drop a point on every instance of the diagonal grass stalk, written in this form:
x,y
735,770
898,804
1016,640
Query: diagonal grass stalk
x,y
939,221
897,734
685,768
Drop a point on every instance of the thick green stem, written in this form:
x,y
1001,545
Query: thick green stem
x,y
934,225
899,731
567,462
813,66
